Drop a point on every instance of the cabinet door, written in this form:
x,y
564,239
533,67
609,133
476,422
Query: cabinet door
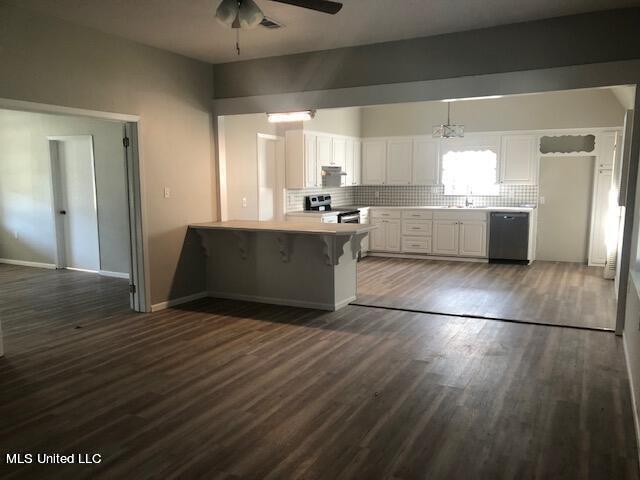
x,y
473,239
324,154
393,231
598,245
518,164
374,161
426,161
445,237
357,162
399,162
378,236
310,167
339,158
349,166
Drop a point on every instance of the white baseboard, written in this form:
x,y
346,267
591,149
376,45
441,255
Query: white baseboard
x,y
178,301
282,301
427,257
24,263
107,273
634,403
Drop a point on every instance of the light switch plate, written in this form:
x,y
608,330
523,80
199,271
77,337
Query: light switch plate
x,y
167,192
541,200
244,202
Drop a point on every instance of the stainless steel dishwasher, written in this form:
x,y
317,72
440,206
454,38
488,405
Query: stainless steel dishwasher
x,y
509,237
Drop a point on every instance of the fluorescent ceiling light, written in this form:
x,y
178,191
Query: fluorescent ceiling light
x,y
302,116
489,97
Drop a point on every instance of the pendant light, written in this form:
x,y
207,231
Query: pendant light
x,y
448,130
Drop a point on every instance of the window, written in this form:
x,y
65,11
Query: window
x,y
470,171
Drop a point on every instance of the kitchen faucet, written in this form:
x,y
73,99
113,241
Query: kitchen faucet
x,y
468,203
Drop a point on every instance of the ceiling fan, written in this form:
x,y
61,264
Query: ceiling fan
x,y
239,14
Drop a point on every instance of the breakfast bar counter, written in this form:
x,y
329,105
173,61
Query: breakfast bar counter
x,y
285,263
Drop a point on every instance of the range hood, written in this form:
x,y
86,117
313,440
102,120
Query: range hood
x,y
332,176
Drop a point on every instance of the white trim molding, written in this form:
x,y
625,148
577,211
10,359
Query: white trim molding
x,y
156,307
24,263
107,273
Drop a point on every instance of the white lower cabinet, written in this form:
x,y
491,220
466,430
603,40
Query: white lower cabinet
x,y
385,238
445,237
473,239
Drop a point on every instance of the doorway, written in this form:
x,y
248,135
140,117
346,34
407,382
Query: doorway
x,y
271,177
564,210
75,206
50,165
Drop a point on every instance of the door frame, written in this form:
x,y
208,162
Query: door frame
x,y
280,175
54,172
139,263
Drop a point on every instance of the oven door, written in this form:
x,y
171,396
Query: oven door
x,y
349,217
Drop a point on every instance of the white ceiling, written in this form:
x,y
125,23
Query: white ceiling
x,y
189,27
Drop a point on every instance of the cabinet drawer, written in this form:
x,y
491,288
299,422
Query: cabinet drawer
x,y
417,214
416,244
417,227
385,213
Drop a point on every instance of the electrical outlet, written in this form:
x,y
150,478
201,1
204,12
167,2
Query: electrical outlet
x,y
244,202
167,192
377,194
541,200
16,235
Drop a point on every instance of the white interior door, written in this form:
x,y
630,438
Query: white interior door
x,y
75,203
270,178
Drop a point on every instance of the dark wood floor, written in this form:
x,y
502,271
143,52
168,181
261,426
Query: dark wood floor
x,y
560,293
229,390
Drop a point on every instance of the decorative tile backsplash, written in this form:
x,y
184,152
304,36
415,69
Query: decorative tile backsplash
x,y
379,195
339,196
509,196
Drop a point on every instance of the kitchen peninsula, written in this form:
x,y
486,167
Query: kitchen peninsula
x,y
284,263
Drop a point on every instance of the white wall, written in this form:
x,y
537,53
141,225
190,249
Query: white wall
x,y
27,230
51,61
569,109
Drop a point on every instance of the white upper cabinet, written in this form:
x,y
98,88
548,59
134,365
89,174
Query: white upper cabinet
x,y
324,154
399,161
339,152
349,166
300,160
374,162
311,177
357,162
519,159
426,161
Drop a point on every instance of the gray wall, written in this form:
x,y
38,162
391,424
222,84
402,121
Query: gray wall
x,y
564,41
564,218
55,62
27,230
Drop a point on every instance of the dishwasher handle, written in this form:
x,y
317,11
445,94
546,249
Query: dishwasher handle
x,y
508,215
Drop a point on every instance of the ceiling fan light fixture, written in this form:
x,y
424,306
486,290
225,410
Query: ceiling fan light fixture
x,y
283,117
249,14
227,12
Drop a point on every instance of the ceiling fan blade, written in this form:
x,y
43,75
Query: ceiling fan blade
x,y
324,6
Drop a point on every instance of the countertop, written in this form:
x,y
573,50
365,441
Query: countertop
x,y
287,227
410,207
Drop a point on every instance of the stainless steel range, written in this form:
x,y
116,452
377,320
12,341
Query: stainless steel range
x,y
322,203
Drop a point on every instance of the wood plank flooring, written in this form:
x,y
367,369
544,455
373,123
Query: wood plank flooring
x,y
559,293
230,390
